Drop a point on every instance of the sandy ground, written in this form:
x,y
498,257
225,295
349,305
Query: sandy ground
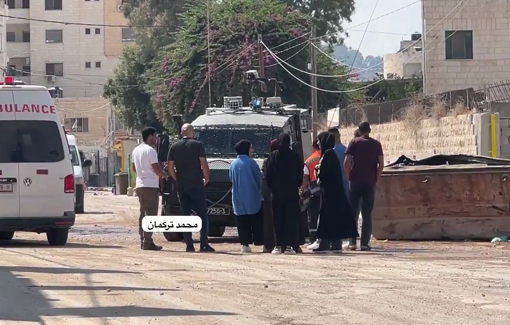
x,y
102,277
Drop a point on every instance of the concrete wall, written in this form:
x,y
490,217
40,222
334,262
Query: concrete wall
x,y
462,134
489,23
95,110
503,109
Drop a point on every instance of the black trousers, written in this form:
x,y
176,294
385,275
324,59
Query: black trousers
x,y
250,228
365,194
313,215
286,218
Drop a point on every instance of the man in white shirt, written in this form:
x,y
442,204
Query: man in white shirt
x,y
148,172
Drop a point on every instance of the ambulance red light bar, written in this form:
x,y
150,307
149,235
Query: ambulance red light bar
x,y
9,80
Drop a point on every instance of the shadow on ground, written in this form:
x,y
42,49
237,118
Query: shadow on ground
x,y
23,243
23,301
100,212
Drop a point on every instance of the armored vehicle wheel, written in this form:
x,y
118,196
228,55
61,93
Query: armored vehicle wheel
x,y
216,231
172,236
6,235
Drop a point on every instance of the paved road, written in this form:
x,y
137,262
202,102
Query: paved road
x,y
102,277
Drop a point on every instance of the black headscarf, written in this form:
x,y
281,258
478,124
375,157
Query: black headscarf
x,y
320,136
243,147
284,172
284,142
327,142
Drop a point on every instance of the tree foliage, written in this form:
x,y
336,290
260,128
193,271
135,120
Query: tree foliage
x,y
166,73
178,82
328,14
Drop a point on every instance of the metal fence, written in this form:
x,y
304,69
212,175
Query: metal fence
x,y
379,113
105,164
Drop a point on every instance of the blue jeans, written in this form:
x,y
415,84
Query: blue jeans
x,y
365,194
193,198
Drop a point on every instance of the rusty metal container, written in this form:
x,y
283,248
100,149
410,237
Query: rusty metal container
x,y
433,202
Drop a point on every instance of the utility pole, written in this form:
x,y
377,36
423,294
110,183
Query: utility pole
x,y
313,53
424,53
209,53
261,64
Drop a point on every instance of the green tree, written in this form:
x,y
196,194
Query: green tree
x,y
178,81
163,17
127,89
328,14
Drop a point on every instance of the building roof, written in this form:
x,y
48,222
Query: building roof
x,y
241,119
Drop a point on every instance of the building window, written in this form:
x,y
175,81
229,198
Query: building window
x,y
77,124
53,5
55,69
26,70
459,45
88,65
11,37
128,34
26,37
98,31
11,4
98,64
87,31
25,4
54,36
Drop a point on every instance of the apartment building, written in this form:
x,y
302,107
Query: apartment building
x,y
469,48
66,44
407,62
89,119
4,10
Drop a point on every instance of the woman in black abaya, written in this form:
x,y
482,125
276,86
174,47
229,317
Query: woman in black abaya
x,y
336,218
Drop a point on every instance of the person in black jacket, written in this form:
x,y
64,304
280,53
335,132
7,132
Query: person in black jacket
x,y
336,217
284,175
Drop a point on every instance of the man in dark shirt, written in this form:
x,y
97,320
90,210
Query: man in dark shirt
x,y
187,165
364,163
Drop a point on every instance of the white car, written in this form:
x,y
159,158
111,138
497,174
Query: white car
x,y
37,188
78,165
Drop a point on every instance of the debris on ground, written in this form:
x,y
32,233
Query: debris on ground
x,y
500,239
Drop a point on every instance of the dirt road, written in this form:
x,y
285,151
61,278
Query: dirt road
x,y
102,277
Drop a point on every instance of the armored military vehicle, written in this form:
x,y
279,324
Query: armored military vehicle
x,y
219,129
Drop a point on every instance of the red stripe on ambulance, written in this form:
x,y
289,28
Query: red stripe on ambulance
x,y
44,109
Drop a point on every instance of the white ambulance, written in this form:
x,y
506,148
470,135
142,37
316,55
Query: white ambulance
x,y
78,165
37,188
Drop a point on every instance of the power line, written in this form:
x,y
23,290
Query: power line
x,y
378,81
363,37
291,56
380,63
379,32
374,19
60,22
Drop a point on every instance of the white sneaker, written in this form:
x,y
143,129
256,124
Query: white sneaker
x,y
315,245
277,250
290,251
245,249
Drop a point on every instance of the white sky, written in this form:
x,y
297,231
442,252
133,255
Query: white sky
x,y
399,25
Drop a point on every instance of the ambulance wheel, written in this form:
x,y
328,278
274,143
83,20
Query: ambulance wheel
x,y
6,235
57,237
80,209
